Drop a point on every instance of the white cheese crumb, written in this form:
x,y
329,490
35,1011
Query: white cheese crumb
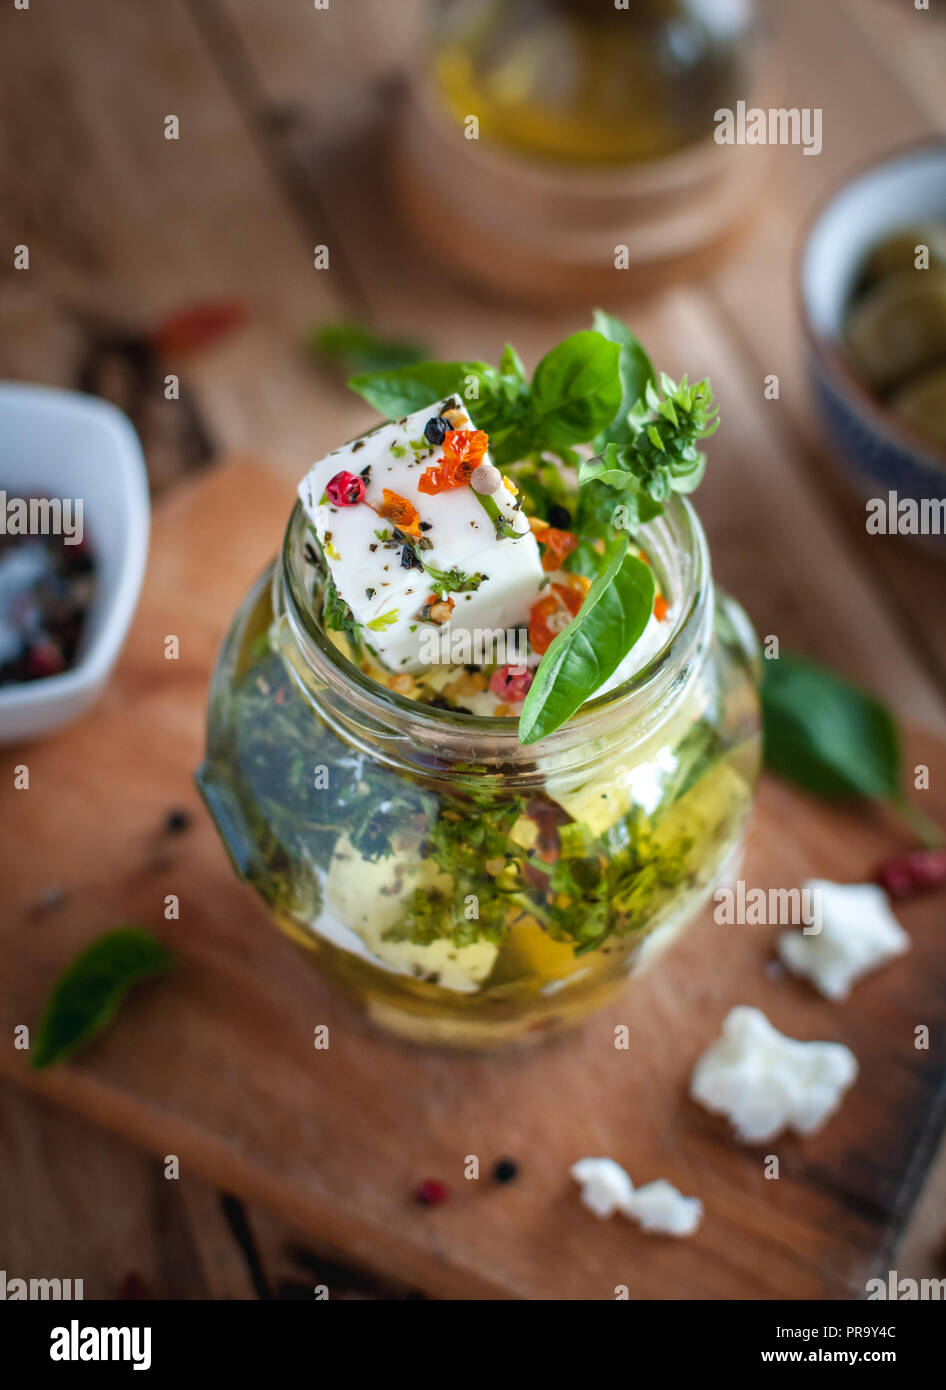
x,y
858,933
605,1187
765,1082
658,1206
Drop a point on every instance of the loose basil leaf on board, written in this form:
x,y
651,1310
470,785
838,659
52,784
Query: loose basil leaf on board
x,y
825,734
636,371
576,389
592,646
353,347
833,739
87,994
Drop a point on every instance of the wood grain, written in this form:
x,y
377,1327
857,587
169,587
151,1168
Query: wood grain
x,y
122,222
868,112
216,1063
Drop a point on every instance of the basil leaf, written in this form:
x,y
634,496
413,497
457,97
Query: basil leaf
x,y
353,347
592,646
606,468
576,390
635,371
827,735
87,994
510,364
403,390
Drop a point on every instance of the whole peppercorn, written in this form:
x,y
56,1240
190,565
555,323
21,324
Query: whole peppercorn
x,y
345,489
430,1193
435,430
560,517
176,822
486,479
506,1170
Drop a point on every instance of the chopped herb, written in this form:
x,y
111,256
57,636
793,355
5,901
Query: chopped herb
x,y
383,620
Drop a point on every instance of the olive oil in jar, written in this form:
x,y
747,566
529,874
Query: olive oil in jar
x,y
585,81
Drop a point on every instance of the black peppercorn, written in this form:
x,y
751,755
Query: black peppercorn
x,y
177,822
559,517
506,1170
435,430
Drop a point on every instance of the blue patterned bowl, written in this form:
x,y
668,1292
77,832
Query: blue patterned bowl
x,y
880,454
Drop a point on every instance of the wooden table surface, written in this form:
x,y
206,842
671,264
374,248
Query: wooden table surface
x,y
283,111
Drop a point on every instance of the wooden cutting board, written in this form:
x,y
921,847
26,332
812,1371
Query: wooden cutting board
x,y
216,1062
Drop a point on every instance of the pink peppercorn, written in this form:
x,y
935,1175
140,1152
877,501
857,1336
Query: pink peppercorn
x,y
430,1193
511,682
921,871
346,489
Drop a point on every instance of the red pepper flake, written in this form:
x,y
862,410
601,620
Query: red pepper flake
x,y
559,544
511,682
197,327
430,1193
906,875
345,489
660,608
463,452
402,512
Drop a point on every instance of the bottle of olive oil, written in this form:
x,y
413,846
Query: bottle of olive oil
x,y
603,82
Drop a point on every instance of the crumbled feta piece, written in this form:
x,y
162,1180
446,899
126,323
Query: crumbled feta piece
x,y
858,932
658,1206
765,1082
388,600
605,1187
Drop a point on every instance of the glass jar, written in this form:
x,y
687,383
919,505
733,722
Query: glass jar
x,y
469,891
592,81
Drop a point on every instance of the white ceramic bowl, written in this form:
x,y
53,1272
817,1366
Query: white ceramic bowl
x,y
61,444
881,452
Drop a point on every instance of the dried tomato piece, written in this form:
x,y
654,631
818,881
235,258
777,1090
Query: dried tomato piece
x,y
345,489
463,452
400,511
572,592
546,620
558,545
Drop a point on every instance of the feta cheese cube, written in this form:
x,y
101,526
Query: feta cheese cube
x,y
858,932
765,1082
657,1206
388,600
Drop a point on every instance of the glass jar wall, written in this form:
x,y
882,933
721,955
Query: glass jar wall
x,y
465,890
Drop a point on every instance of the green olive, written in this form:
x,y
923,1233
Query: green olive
x,y
899,328
922,404
898,251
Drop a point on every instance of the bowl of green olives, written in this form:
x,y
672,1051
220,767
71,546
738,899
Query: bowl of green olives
x,y
873,298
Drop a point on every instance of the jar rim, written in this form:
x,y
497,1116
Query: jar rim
x,y
643,688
